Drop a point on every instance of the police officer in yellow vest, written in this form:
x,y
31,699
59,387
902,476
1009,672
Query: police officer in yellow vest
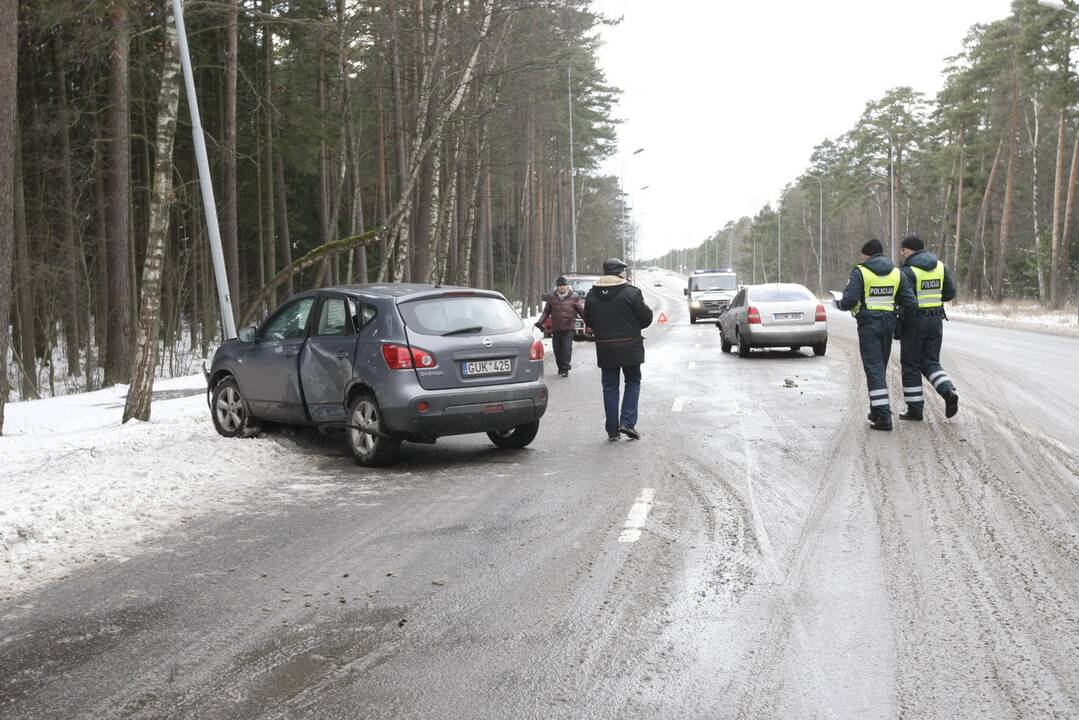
x,y
875,289
921,330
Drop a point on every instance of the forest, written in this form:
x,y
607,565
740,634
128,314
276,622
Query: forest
x,y
349,141
986,173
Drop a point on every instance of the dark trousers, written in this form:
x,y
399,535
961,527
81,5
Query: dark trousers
x,y
628,415
875,345
919,354
562,341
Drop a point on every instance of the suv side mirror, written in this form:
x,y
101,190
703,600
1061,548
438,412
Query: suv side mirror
x,y
685,291
247,334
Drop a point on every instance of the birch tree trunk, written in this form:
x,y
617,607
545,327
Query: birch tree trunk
x,y
141,391
118,355
9,51
983,218
959,203
1034,135
1001,260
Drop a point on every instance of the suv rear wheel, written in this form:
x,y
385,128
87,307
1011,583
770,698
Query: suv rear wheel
x,y
228,408
820,348
369,450
516,437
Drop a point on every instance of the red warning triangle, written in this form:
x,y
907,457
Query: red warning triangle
x,y
662,318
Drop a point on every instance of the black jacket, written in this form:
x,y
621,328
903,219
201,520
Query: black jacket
x,y
927,261
854,293
617,314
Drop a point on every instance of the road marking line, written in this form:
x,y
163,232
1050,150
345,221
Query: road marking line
x,y
638,516
679,403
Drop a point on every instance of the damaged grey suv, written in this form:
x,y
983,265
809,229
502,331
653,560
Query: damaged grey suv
x,y
383,364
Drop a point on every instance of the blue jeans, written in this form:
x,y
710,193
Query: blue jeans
x,y
628,417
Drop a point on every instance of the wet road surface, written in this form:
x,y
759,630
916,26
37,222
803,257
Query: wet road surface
x,y
760,553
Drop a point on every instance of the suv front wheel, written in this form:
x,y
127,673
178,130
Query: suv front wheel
x,y
369,450
228,408
516,437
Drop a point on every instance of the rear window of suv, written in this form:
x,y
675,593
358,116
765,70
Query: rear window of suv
x,y
460,315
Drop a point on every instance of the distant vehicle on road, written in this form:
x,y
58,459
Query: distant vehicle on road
x,y
710,292
383,364
657,283
579,284
774,315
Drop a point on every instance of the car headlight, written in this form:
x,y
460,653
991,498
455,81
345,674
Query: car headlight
x,y
696,304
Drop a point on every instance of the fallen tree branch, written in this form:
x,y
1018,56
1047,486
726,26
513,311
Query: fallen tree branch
x,y
324,250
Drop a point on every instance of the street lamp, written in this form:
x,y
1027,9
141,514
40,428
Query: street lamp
x,y
820,237
622,191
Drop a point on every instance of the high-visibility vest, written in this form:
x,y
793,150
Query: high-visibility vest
x,y
928,286
879,291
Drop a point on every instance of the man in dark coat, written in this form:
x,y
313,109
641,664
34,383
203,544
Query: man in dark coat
x,y
616,312
563,306
921,331
875,289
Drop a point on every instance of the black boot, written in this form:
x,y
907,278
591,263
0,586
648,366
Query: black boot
x,y
909,414
951,404
880,423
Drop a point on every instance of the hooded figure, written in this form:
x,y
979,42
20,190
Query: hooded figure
x,y
616,312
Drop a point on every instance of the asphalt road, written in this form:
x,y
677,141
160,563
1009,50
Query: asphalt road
x,y
782,561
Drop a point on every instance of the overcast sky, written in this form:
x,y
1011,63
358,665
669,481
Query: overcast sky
x,y
728,98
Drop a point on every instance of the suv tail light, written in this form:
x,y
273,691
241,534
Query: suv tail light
x,y
822,316
753,315
536,353
401,357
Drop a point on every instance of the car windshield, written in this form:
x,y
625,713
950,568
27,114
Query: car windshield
x,y
704,283
463,315
774,294
581,287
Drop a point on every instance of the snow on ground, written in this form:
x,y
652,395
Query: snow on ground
x,y
76,486
1019,314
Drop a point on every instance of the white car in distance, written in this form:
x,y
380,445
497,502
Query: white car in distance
x,y
774,315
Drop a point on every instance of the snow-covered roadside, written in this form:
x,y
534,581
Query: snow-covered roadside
x,y
1022,315
76,486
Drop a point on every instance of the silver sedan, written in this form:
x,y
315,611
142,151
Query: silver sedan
x,y
774,315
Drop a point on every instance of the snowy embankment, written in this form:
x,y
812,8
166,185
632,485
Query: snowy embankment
x,y
77,487
1018,314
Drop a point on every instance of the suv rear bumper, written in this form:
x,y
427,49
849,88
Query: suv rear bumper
x,y
460,411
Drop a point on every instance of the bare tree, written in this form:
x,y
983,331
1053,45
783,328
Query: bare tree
x,y
118,354
230,234
9,50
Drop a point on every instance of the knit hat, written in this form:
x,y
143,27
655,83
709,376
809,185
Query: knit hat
x,y
913,242
561,281
873,247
